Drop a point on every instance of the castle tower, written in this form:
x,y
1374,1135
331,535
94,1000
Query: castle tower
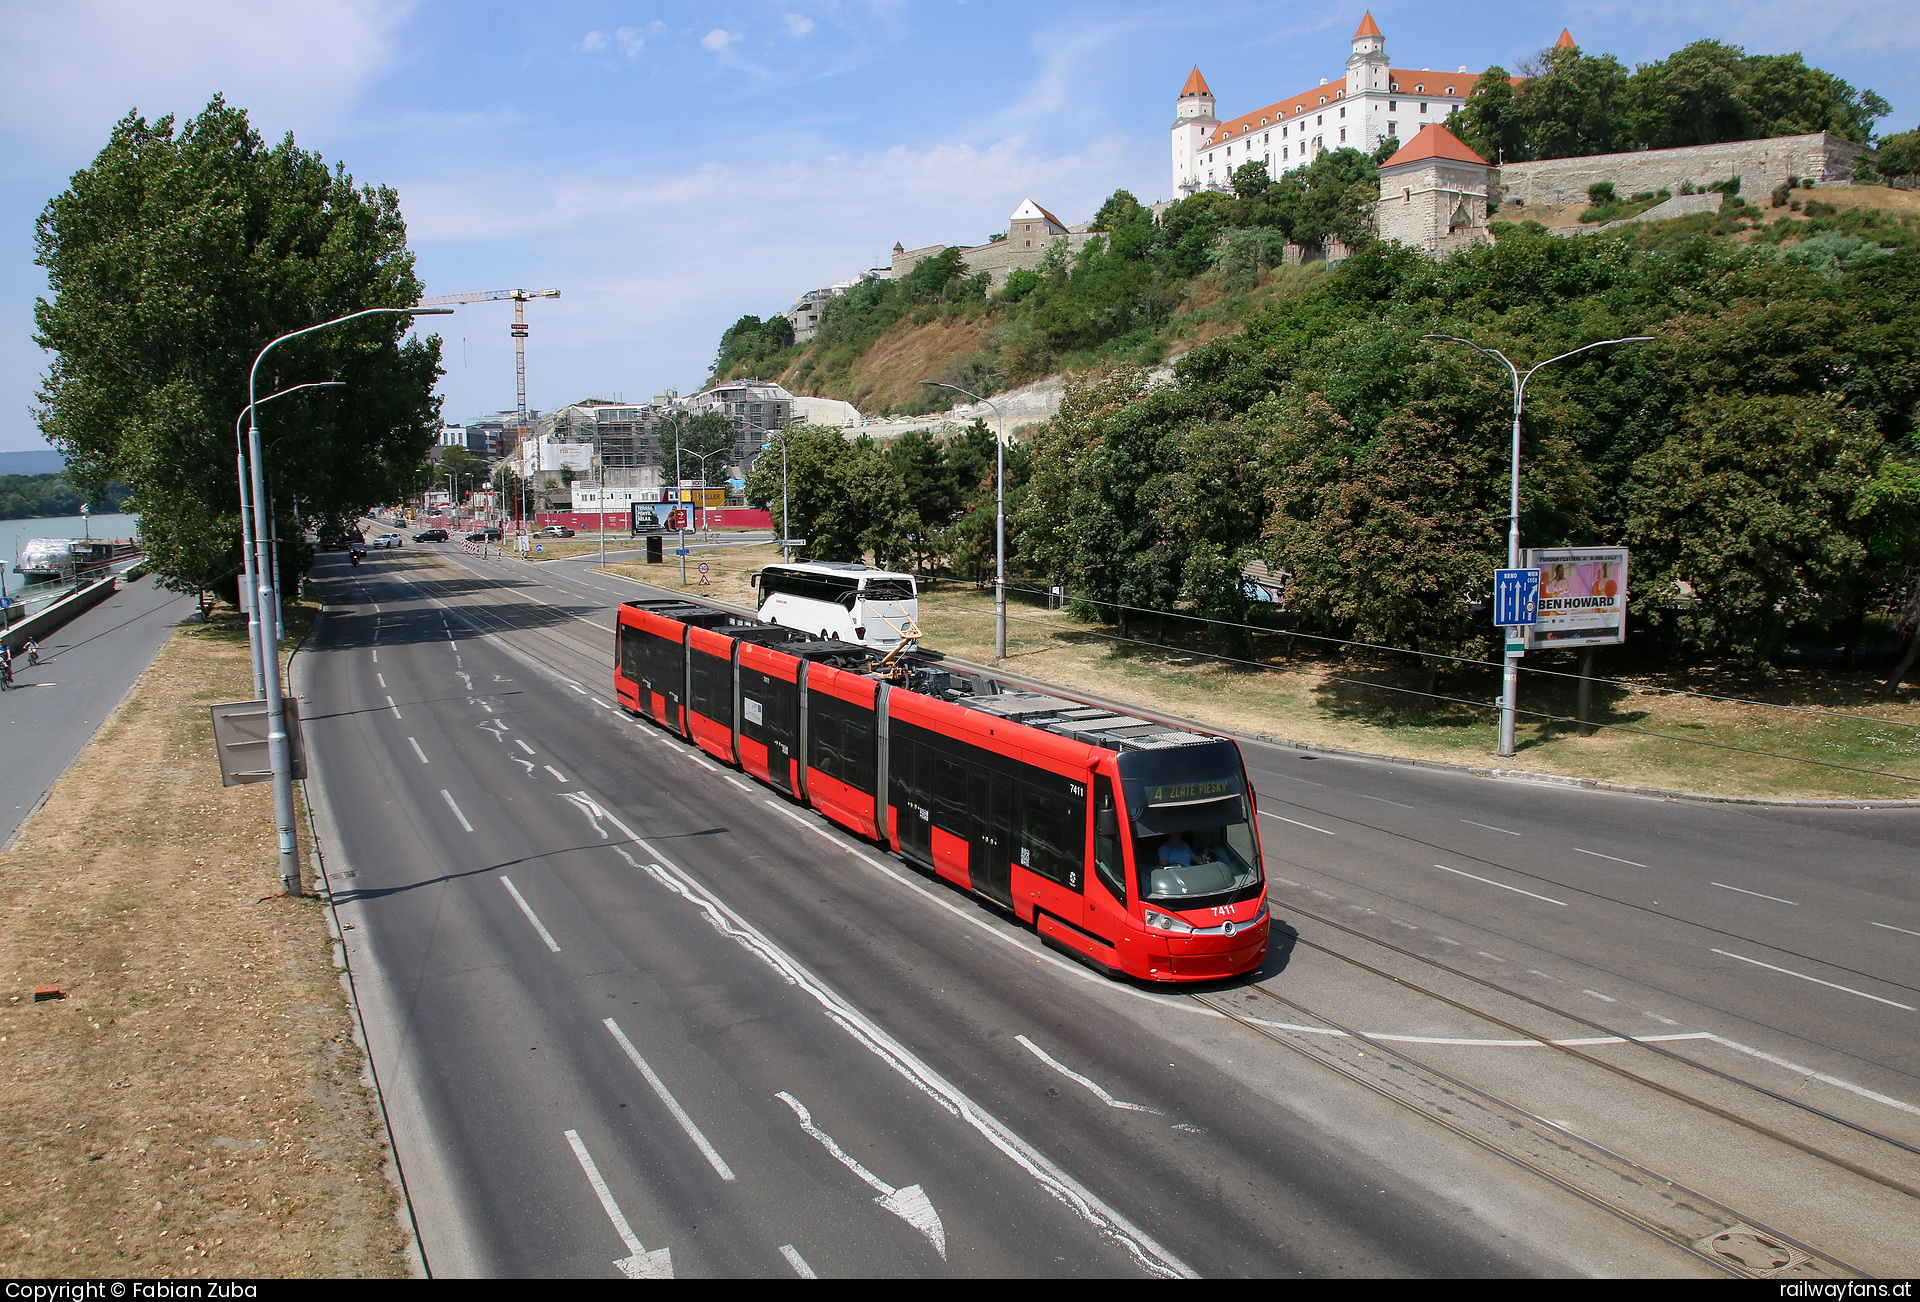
x,y
1566,41
1367,65
1436,193
1193,124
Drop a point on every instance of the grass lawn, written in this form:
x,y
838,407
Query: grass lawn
x,y
194,1106
1360,701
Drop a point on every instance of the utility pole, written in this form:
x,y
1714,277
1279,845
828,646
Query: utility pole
x,y
999,521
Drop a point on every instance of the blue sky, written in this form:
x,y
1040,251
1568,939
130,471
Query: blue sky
x,y
670,167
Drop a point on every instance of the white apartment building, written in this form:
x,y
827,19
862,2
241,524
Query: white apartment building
x,y
1373,101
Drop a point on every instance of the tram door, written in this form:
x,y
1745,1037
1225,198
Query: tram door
x,y
916,815
993,874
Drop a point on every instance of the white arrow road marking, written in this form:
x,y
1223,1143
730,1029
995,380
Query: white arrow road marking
x,y
909,1204
494,726
657,1264
465,678
1078,1079
1106,1220
527,909
525,764
583,802
719,1165
448,797
798,1262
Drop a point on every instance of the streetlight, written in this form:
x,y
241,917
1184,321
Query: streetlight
x,y
786,530
254,641
999,521
265,590
1510,676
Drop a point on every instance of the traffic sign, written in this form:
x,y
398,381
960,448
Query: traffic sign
x,y
1516,597
683,551
703,567
6,603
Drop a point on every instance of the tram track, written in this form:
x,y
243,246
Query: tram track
x,y
1685,1239
1624,1038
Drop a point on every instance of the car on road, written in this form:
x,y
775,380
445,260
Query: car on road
x,y
431,535
553,531
484,535
386,540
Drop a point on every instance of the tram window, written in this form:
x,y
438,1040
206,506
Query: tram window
x,y
950,796
823,743
1041,819
856,755
712,688
630,652
1106,840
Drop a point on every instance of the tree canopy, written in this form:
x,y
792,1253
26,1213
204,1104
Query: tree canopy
x,y
172,260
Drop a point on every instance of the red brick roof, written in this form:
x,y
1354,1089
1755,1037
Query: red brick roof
x,y
1436,84
1434,141
1196,84
1367,27
1566,41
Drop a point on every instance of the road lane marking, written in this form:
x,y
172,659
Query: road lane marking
x,y
1297,823
1597,995
798,1262
1596,854
869,1035
703,764
583,802
1775,898
738,783
576,687
448,797
525,764
1078,1079
1489,826
383,680
1902,930
642,1264
393,707
597,701
523,746
1816,980
1502,885
1382,799
551,769
527,909
1821,1076
910,1204
376,657
714,1159
416,750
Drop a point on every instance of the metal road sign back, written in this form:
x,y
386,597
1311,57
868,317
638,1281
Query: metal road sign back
x,y
1516,597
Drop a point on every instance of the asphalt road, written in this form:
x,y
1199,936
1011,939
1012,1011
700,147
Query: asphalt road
x,y
85,668
851,1070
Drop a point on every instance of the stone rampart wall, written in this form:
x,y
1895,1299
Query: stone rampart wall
x,y
999,258
1761,165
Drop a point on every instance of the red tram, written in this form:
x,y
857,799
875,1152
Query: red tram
x,y
1130,843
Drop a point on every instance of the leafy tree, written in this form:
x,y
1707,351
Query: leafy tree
x,y
711,434
1898,156
1490,122
468,471
172,259
1330,198
1250,180
750,346
842,495
25,497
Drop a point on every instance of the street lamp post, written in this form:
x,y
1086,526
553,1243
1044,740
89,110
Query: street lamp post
x,y
1510,674
255,642
999,521
279,757
786,533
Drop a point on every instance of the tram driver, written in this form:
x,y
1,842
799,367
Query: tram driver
x,y
1175,852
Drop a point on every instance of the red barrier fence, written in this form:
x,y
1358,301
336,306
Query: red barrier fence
x,y
719,517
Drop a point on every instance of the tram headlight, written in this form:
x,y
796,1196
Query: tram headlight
x,y
1164,921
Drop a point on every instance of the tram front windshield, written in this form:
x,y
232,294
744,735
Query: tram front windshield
x,y
1193,845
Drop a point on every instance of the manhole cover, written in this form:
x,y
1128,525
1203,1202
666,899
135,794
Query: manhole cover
x,y
1749,1251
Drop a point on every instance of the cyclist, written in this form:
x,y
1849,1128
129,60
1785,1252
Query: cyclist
x,y
32,649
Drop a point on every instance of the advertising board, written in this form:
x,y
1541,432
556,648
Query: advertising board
x,y
1583,597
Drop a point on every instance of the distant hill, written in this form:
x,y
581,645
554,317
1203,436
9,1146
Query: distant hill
x,y
43,462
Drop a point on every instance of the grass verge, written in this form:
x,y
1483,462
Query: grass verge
x,y
194,1106
1370,703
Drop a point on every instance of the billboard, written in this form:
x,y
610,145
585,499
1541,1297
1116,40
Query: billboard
x,y
1583,597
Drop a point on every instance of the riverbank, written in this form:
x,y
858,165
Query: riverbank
x,y
191,1103
1377,705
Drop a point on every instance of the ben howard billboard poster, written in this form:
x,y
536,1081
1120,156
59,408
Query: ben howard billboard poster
x,y
1583,596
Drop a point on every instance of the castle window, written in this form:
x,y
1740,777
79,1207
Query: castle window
x,y
1449,90
1421,89
1343,112
1343,135
1323,99
1393,85
1319,119
1406,194
1423,106
1393,106
1393,129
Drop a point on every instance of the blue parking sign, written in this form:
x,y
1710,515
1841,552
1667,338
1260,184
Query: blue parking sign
x,y
1516,597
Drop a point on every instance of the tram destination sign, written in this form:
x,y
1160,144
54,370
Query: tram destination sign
x,y
1191,793
1583,597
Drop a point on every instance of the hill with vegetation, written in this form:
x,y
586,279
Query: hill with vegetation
x,y
30,497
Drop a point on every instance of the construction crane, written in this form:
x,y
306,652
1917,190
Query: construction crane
x,y
519,297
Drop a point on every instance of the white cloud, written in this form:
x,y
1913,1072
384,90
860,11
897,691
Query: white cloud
x,y
719,39
592,43
631,41
798,25
77,67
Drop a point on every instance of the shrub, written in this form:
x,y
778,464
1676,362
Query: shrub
x,y
1601,192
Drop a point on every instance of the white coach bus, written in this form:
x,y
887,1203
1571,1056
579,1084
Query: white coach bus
x,y
837,599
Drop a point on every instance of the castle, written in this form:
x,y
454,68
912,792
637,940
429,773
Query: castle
x,y
1375,101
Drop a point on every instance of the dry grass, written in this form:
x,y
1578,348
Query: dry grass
x,y
194,1106
1326,699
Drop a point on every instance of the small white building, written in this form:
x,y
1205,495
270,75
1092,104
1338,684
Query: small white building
x,y
1434,194
1372,102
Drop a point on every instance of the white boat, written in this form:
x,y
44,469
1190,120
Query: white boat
x,y
45,560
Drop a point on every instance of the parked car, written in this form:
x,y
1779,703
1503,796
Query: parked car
x,y
484,535
431,535
553,531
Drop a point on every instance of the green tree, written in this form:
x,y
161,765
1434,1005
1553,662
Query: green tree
x,y
1250,180
711,434
842,496
172,259
750,346
1573,104
1490,122
1898,156
1330,198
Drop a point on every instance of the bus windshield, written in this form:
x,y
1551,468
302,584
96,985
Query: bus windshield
x,y
1192,842
887,590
